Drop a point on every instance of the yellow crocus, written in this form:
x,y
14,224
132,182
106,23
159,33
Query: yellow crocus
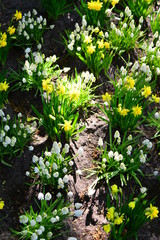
x,y
67,125
17,15
137,110
4,86
11,30
91,49
151,212
146,91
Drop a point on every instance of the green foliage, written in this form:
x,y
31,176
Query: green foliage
x,y
3,89
56,8
155,21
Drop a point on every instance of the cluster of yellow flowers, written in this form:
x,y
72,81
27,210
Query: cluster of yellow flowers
x,y
97,5
47,85
3,39
4,86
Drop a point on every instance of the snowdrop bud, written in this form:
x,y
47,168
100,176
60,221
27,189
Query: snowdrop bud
x,y
34,159
157,115
27,173
117,134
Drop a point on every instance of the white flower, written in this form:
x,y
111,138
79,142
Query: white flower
x,y
129,137
72,238
78,205
7,140
79,172
1,113
149,145
155,173
34,159
65,210
117,134
52,26
39,218
36,170
42,228
31,148
27,173
71,163
33,223
157,115
52,220
6,128
122,166
56,174
66,148
143,189
66,179
58,195
54,166
91,191
23,219
34,236
49,234
48,196
39,231
78,213
70,194
100,142
40,196
80,151
28,50
19,115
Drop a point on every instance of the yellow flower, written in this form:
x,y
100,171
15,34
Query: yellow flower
x,y
155,98
3,40
106,97
17,15
114,2
11,30
96,30
151,212
146,91
110,213
100,44
118,220
88,39
123,112
95,5
107,228
67,125
61,89
132,204
91,49
137,110
102,55
101,34
47,85
4,86
129,84
106,45
114,189
74,94
1,205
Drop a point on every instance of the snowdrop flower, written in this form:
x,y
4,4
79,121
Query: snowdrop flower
x,y
31,148
78,213
58,195
19,115
48,196
117,134
34,159
65,211
54,166
33,223
39,218
6,128
56,174
52,26
36,170
157,115
127,11
27,173
66,148
143,190
52,220
70,194
7,140
40,196
39,232
64,170
72,238
1,113
80,151
100,142
110,154
78,205
23,219
34,236
122,166
79,172
49,234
